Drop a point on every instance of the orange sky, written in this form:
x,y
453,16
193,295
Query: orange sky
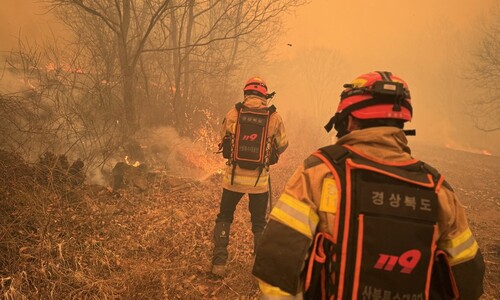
x,y
21,17
373,31
346,25
427,42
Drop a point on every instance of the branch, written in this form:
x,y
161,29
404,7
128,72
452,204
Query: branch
x,y
260,16
154,19
112,25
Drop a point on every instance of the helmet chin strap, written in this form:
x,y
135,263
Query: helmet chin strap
x,y
270,95
342,127
411,132
340,122
331,122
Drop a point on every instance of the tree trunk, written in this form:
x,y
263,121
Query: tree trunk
x,y
234,52
129,100
128,72
189,32
177,105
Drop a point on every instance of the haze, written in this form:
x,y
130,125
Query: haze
x,y
428,43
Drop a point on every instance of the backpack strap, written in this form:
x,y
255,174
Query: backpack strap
x,y
336,154
261,168
232,173
271,109
238,106
436,176
334,157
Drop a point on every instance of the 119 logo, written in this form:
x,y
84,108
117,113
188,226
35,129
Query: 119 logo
x,y
407,261
250,137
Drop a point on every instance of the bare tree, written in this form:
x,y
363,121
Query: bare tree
x,y
212,38
57,107
130,23
187,31
485,74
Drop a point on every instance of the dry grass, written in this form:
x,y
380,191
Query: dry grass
x,y
86,242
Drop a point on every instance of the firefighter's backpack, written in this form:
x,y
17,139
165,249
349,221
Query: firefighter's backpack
x,y
251,147
385,244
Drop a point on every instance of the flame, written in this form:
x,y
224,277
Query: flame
x,y
65,67
486,152
135,164
468,149
50,67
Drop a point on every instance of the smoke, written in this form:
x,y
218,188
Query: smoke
x,y
163,151
26,20
328,43
427,43
180,155
96,176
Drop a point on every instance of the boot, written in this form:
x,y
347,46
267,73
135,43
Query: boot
x,y
257,238
220,255
219,270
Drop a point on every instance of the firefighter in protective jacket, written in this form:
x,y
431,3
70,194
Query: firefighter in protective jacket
x,y
363,219
253,137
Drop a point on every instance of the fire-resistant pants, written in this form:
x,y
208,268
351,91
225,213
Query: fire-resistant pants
x,y
257,207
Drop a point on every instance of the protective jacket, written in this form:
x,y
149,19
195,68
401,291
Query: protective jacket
x,y
242,180
305,209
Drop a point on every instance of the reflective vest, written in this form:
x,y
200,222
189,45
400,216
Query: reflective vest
x,y
384,239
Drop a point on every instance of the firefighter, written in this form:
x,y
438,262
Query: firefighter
x,y
363,219
253,137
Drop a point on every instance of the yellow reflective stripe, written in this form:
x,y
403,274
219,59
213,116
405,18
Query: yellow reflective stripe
x,y
247,180
461,248
460,239
329,196
280,138
296,214
272,292
467,254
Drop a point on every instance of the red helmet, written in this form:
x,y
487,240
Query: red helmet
x,y
375,95
255,86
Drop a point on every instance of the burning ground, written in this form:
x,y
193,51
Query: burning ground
x,y
63,239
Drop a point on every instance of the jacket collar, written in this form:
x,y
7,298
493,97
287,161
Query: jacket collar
x,y
386,143
253,101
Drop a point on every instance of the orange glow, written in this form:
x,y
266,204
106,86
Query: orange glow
x,y
486,152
